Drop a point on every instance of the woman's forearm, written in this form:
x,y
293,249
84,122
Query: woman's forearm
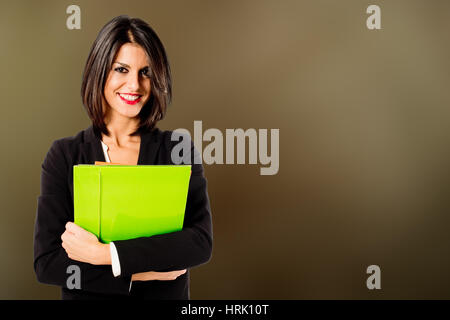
x,y
153,275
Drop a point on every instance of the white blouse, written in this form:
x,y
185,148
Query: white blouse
x,y
105,151
114,255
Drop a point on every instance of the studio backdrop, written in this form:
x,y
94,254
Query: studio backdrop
x,y
341,187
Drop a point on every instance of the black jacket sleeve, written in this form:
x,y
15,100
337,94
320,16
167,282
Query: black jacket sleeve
x,y
54,210
179,250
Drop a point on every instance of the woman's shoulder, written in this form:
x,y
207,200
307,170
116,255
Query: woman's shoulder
x,y
83,136
172,137
180,146
167,138
67,147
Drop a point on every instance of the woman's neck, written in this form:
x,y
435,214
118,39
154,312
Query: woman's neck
x,y
119,132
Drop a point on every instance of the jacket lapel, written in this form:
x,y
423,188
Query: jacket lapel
x,y
91,148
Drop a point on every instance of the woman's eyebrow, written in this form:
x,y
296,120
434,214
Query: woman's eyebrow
x,y
127,66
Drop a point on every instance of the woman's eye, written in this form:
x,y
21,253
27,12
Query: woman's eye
x,y
145,72
120,69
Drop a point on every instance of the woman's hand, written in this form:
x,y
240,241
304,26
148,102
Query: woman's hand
x,y
83,246
153,275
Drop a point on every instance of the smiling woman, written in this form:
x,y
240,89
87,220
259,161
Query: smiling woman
x,y
130,59
126,89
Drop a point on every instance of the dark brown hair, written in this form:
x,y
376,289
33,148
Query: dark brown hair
x,y
112,36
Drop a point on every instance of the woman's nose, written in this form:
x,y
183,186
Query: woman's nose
x,y
133,82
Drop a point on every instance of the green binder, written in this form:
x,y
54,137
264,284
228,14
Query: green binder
x,y
119,202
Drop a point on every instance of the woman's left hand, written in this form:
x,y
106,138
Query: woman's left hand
x,y
83,246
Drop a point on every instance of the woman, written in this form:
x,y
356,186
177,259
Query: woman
x,y
126,89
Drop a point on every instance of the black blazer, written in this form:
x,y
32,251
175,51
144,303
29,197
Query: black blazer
x,y
183,249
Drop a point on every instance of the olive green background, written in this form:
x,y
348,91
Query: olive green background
x,y
364,137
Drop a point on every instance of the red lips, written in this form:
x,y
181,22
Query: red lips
x,y
128,101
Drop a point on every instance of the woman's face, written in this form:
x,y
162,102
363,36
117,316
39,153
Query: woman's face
x,y
127,86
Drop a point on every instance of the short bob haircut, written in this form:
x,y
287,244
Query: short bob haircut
x,y
112,36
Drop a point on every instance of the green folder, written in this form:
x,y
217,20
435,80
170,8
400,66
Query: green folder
x,y
120,202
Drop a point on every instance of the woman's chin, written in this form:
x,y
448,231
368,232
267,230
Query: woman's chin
x,y
129,112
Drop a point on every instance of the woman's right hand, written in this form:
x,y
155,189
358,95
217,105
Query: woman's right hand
x,y
154,275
